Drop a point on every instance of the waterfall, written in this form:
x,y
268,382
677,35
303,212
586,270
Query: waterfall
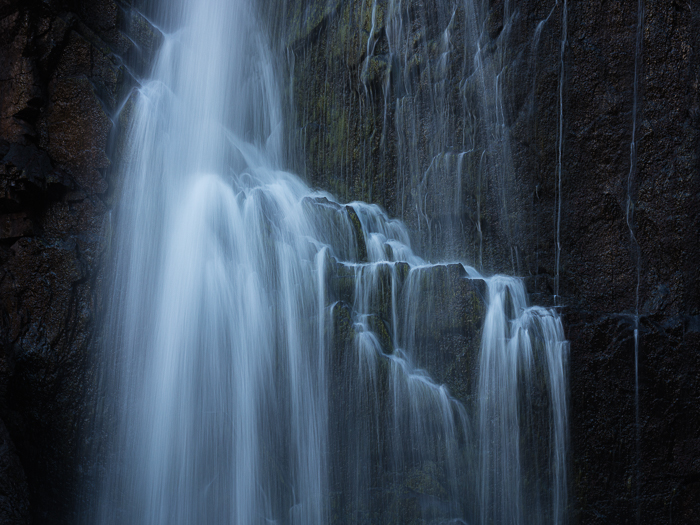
x,y
275,356
510,396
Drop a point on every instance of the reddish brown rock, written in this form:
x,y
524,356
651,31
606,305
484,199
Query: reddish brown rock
x,y
19,83
74,131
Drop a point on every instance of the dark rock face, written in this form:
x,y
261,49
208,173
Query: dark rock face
x,y
618,475
60,80
559,214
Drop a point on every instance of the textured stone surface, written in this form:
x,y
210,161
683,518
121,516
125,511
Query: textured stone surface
x,y
14,503
616,475
74,130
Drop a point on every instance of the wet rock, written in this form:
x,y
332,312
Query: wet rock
x,y
306,19
357,233
439,315
103,16
381,329
445,317
448,300
51,39
28,164
341,225
342,283
375,71
342,332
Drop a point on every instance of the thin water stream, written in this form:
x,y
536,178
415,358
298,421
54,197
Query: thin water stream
x,y
638,41
560,146
271,353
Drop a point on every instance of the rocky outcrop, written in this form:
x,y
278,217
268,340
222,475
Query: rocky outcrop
x,y
64,69
391,120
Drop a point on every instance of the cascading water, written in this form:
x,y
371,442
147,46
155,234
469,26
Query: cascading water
x,y
273,356
450,147
510,396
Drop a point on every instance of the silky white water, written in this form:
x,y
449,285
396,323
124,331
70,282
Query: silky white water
x,y
268,351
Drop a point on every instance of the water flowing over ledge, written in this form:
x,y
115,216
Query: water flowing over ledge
x,y
274,356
